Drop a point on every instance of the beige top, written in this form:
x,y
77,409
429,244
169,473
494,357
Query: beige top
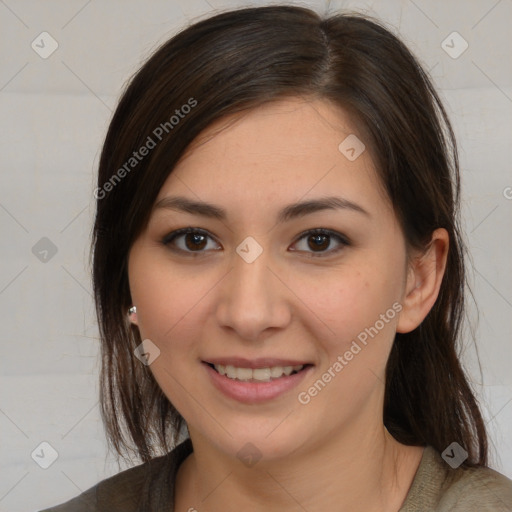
x,y
436,487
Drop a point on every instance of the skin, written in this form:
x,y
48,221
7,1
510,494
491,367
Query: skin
x,y
333,453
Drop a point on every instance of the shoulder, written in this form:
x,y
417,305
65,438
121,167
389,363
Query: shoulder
x,y
481,489
437,487
143,487
119,492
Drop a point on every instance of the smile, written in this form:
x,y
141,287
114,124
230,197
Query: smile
x,y
265,382
257,374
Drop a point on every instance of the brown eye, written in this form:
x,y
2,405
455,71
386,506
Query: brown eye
x,y
188,240
195,241
319,240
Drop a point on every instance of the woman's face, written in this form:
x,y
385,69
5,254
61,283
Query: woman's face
x,y
253,288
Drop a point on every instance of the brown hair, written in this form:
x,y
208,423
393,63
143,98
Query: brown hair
x,y
239,60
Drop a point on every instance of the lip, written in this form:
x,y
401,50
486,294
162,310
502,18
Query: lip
x,y
261,362
251,392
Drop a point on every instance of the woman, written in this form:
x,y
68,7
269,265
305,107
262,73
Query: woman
x,y
279,278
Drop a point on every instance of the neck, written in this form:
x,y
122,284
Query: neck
x,y
353,471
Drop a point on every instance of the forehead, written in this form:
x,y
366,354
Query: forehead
x,y
281,151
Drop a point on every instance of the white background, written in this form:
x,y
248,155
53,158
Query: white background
x,y
54,113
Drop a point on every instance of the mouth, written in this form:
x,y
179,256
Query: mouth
x,y
262,374
256,381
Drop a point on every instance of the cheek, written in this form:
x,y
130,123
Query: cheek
x,y
352,299
361,315
169,304
167,300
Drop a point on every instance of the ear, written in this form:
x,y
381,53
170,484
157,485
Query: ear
x,y
424,277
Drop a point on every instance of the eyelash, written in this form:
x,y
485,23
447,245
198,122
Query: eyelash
x,y
171,237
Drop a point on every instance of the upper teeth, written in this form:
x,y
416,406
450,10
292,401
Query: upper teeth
x,y
262,374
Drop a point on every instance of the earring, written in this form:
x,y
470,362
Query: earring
x,y
132,315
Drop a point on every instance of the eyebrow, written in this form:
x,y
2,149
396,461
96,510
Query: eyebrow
x,y
288,213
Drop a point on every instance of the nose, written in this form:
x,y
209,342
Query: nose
x,y
253,299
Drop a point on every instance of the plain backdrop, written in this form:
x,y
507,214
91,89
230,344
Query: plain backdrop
x,y
54,111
